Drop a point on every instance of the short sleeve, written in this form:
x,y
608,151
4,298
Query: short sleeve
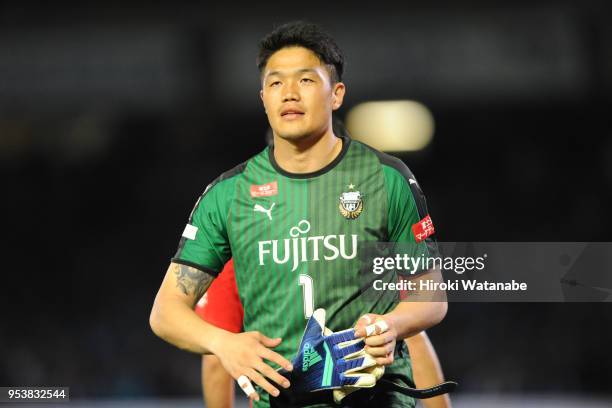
x,y
409,220
204,243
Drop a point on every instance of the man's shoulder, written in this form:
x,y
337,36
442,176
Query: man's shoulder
x,y
391,164
236,171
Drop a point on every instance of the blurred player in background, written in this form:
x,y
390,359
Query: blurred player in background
x,y
221,307
330,193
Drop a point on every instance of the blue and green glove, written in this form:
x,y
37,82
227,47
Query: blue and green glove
x,y
326,360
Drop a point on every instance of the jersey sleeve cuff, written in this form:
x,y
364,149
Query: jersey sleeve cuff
x,y
202,268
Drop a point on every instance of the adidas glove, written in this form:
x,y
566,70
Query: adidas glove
x,y
327,360
367,376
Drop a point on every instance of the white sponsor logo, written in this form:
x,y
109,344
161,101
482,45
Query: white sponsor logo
x,y
300,248
190,231
268,212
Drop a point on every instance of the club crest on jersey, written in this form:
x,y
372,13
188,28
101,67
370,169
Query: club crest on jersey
x,y
351,204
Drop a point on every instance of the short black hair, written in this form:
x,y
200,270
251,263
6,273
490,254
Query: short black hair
x,y
307,35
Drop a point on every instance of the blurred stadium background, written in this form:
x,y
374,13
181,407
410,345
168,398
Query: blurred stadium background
x,y
114,117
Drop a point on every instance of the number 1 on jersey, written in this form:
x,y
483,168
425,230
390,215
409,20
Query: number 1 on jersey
x,y
308,293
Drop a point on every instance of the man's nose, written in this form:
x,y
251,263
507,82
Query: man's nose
x,y
291,92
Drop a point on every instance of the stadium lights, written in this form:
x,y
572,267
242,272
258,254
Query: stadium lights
x,y
391,126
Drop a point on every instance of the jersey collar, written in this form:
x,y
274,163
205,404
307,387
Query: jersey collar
x,y
346,141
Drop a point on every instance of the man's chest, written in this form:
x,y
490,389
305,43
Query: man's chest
x,y
286,220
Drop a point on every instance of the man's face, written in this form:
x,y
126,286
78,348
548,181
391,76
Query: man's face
x,y
297,93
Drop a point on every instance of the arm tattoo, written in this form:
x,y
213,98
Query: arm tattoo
x,y
192,281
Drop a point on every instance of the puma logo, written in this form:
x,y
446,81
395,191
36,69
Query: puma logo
x,y
268,212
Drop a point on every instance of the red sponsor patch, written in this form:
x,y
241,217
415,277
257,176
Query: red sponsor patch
x,y
423,229
264,190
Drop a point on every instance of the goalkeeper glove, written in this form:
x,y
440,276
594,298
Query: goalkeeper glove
x,y
377,372
367,378
327,360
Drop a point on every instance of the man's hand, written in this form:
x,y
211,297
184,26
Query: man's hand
x,y
380,337
406,319
242,354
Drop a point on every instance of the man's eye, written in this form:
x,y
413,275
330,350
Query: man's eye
x,y
307,80
275,83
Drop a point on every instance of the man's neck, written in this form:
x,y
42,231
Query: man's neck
x,y
307,155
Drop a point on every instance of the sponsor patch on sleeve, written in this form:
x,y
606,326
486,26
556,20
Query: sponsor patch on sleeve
x,y
190,231
264,190
423,229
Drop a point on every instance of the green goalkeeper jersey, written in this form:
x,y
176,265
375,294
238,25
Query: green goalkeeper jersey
x,y
296,239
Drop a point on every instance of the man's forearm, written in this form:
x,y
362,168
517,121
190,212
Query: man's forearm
x,y
411,318
426,369
172,317
421,311
179,325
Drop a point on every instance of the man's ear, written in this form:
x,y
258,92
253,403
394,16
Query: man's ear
x,y
338,95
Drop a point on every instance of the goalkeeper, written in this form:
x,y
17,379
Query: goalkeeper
x,y
295,218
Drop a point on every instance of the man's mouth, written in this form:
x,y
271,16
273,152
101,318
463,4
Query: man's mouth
x,y
291,114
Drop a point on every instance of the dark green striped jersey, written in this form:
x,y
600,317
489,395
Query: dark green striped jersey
x,y
296,238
